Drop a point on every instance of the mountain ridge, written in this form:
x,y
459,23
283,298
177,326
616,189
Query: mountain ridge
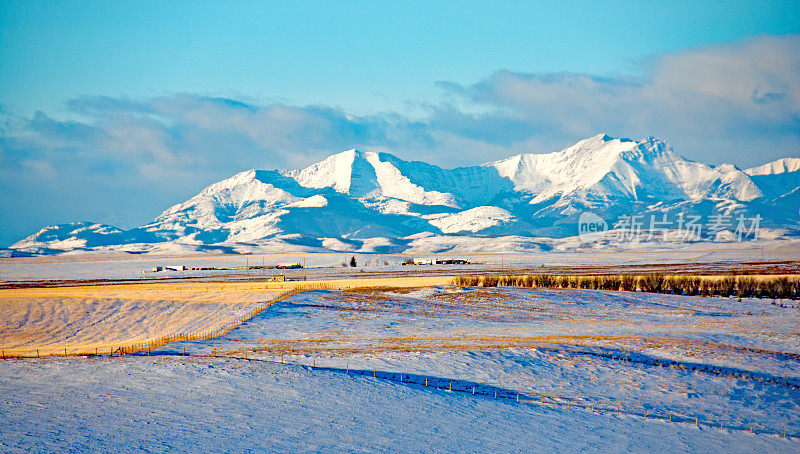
x,y
356,198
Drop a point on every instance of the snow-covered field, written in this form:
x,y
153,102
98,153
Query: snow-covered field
x,y
117,266
436,369
231,405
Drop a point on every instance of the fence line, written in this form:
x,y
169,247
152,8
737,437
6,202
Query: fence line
x,y
465,386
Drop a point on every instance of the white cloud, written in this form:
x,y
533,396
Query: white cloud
x,y
714,104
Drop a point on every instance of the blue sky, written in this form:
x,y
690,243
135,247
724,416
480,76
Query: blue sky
x,y
113,111
362,56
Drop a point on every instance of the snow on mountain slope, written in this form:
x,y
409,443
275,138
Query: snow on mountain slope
x,y
779,181
315,201
243,206
79,235
241,196
776,167
336,172
396,185
473,220
580,166
354,199
471,186
620,168
361,174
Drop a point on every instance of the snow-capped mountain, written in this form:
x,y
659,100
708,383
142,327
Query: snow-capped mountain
x,y
371,201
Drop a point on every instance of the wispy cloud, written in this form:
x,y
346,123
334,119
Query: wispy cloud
x,y
122,161
716,104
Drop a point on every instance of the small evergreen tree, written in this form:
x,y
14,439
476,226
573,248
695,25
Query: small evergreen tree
x,y
353,261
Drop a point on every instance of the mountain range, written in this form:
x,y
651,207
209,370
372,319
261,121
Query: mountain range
x,y
377,202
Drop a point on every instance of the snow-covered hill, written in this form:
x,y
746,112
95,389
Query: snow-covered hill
x,y
377,202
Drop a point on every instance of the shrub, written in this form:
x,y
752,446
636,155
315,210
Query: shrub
x,y
466,281
745,286
527,281
726,285
773,287
609,282
629,283
543,280
705,287
794,288
584,282
571,282
559,281
693,285
489,281
763,288
672,284
652,282
781,287
676,285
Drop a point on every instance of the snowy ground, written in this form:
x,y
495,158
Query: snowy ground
x,y
93,266
436,369
223,404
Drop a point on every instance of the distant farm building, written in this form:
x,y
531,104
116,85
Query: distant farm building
x,y
175,268
435,261
289,266
452,262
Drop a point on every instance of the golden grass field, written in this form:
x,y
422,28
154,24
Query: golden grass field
x,y
85,319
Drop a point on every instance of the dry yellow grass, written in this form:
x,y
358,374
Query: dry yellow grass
x,y
161,289
83,323
82,319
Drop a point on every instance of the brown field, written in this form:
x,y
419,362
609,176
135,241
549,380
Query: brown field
x,y
103,318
